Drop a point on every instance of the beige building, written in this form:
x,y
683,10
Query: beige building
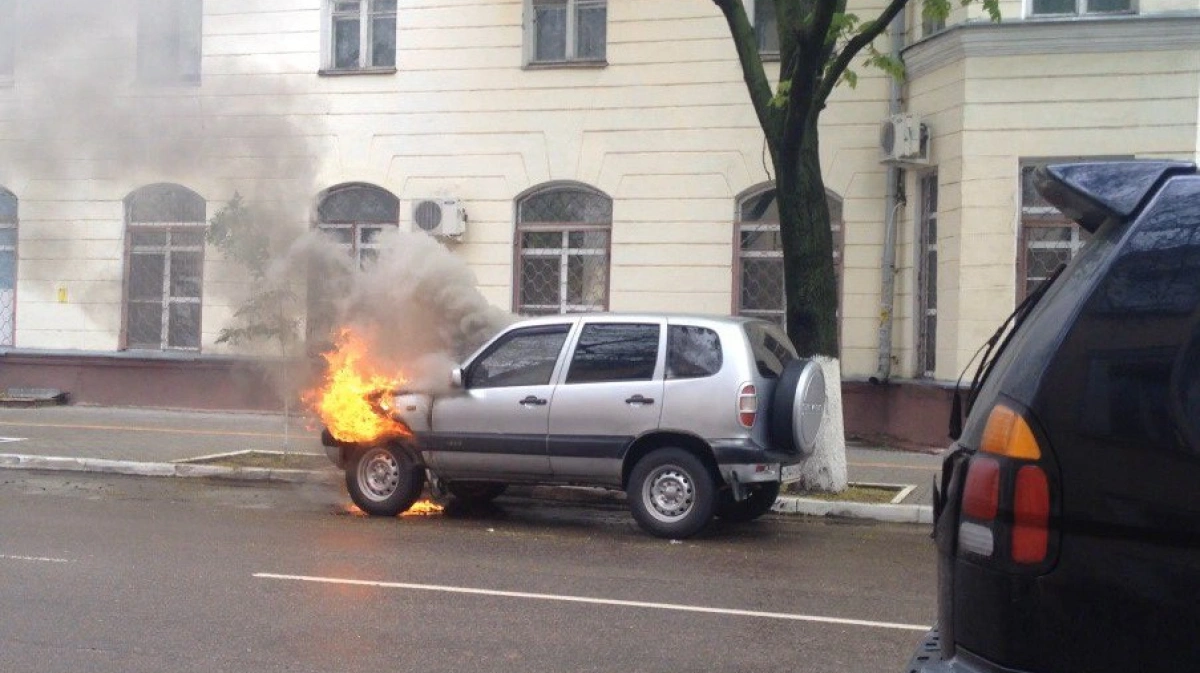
x,y
599,154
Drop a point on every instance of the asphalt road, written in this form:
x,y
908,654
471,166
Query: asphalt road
x,y
108,573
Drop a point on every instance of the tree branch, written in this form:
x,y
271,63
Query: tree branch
x,y
857,44
746,42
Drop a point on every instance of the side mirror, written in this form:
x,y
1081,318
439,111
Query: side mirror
x,y
456,377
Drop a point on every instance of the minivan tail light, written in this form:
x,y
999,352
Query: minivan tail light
x,y
747,405
1008,434
981,495
1031,515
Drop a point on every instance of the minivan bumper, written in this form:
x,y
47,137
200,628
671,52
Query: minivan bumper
x,y
928,659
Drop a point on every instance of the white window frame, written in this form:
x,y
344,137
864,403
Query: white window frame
x,y
8,323
169,229
569,57
564,253
183,59
365,14
1081,10
751,7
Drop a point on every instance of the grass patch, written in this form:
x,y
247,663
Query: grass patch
x,y
854,493
274,461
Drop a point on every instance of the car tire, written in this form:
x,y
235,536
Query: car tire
x,y
671,493
797,406
384,480
758,503
476,492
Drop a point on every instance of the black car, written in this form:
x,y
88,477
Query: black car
x,y
1068,514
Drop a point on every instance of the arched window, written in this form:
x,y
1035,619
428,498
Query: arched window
x,y
563,240
8,266
758,261
164,261
354,216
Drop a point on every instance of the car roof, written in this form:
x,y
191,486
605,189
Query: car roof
x,y
673,318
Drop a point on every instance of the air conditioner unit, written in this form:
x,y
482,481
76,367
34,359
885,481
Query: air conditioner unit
x,y
904,139
439,217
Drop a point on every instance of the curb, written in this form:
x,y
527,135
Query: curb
x,y
788,505
142,469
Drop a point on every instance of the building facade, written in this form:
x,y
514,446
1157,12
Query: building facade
x,y
604,153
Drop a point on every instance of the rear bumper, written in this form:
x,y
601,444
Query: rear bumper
x,y
747,462
928,659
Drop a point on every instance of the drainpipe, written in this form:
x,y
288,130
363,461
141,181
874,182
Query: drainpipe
x,y
892,204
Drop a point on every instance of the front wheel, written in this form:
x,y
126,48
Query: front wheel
x,y
755,505
671,493
384,480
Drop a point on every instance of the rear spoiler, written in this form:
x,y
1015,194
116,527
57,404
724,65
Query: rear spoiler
x,y
1091,193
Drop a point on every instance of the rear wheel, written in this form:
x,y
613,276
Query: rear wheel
x,y
755,505
384,480
671,493
476,492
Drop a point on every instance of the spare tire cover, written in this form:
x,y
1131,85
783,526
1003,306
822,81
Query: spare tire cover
x,y
797,407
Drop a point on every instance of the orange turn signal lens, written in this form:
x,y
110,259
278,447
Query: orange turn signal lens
x,y
1008,434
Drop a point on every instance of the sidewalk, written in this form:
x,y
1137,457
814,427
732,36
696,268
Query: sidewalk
x,y
153,442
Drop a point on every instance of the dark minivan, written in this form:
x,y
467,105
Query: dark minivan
x,y
1068,515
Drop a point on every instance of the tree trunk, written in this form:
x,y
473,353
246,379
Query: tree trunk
x,y
808,271
811,287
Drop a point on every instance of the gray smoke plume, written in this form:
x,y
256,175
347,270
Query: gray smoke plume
x,y
79,110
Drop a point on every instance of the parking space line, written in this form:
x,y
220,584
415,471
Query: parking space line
x,y
41,559
596,601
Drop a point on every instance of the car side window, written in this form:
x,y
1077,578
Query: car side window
x,y
521,358
692,352
615,352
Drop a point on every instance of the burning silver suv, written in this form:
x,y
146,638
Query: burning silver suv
x,y
693,417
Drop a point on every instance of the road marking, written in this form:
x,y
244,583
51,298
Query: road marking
x,y
5,440
42,559
596,601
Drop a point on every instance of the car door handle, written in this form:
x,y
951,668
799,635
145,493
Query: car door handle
x,y
639,399
533,400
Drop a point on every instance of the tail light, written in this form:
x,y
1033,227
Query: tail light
x,y
747,405
1007,495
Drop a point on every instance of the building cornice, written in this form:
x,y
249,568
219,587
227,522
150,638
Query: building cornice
x,y
1083,35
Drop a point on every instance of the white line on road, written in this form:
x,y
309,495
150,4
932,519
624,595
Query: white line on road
x,y
596,601
43,559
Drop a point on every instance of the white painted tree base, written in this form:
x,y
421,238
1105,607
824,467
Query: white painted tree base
x,y
825,469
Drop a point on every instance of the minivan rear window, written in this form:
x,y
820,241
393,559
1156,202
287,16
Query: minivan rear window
x,y
772,348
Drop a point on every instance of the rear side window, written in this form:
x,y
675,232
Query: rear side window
x,y
520,358
615,352
692,352
1134,334
772,349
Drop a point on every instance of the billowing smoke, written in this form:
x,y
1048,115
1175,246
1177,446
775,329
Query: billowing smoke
x,y
85,110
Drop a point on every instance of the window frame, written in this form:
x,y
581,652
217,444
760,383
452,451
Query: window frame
x,y
926,360
751,7
504,339
178,75
564,252
570,59
169,227
837,227
366,14
1081,11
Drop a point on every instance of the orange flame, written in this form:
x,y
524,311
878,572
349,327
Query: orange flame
x,y
348,400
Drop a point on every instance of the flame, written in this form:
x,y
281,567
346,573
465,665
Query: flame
x,y
423,508
348,401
